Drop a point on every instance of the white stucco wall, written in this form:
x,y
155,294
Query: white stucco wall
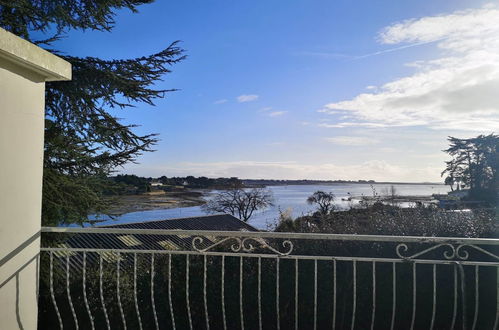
x,y
24,68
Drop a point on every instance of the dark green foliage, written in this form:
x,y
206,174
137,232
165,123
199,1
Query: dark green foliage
x,y
474,165
139,184
68,198
84,142
133,184
381,219
201,182
23,17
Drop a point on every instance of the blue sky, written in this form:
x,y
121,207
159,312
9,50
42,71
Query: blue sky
x,y
310,89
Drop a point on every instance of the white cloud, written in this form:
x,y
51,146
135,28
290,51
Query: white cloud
x,y
277,113
247,98
466,23
352,140
221,101
458,90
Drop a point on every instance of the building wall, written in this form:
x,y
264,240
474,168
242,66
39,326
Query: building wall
x,y
21,152
24,68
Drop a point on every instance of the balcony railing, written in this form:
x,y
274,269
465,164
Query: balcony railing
x,y
102,278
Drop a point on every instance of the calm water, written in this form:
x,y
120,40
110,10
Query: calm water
x,y
291,198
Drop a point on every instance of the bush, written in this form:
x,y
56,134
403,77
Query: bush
x,y
381,219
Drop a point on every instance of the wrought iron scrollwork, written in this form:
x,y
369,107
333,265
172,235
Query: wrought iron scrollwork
x,y
451,252
462,254
248,244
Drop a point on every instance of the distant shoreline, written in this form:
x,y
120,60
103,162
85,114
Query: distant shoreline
x,y
253,183
160,200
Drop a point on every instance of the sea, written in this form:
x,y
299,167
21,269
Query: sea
x,y
291,199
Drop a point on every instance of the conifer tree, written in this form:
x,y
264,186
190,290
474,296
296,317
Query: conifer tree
x,y
475,165
84,142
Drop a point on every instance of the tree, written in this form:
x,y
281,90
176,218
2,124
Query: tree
x,y
240,202
84,142
474,165
140,184
324,201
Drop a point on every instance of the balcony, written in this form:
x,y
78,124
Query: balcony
x,y
102,278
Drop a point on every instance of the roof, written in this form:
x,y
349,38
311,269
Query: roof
x,y
219,222
208,222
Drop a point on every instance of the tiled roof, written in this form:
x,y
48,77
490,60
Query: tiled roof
x,y
222,222
209,222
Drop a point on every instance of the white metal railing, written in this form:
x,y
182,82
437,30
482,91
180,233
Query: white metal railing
x,y
160,279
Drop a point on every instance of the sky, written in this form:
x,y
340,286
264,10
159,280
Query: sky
x,y
307,89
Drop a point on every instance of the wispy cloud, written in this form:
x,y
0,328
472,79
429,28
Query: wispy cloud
x,y
457,90
221,101
354,141
338,56
276,113
247,98
391,50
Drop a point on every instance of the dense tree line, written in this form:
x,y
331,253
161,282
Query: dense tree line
x,y
201,182
134,184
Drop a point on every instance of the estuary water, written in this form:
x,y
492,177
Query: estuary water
x,y
292,198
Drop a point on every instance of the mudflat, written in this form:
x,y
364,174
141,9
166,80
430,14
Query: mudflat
x,y
155,200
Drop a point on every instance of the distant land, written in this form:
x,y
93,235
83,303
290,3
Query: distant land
x,y
135,194
272,182
204,182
